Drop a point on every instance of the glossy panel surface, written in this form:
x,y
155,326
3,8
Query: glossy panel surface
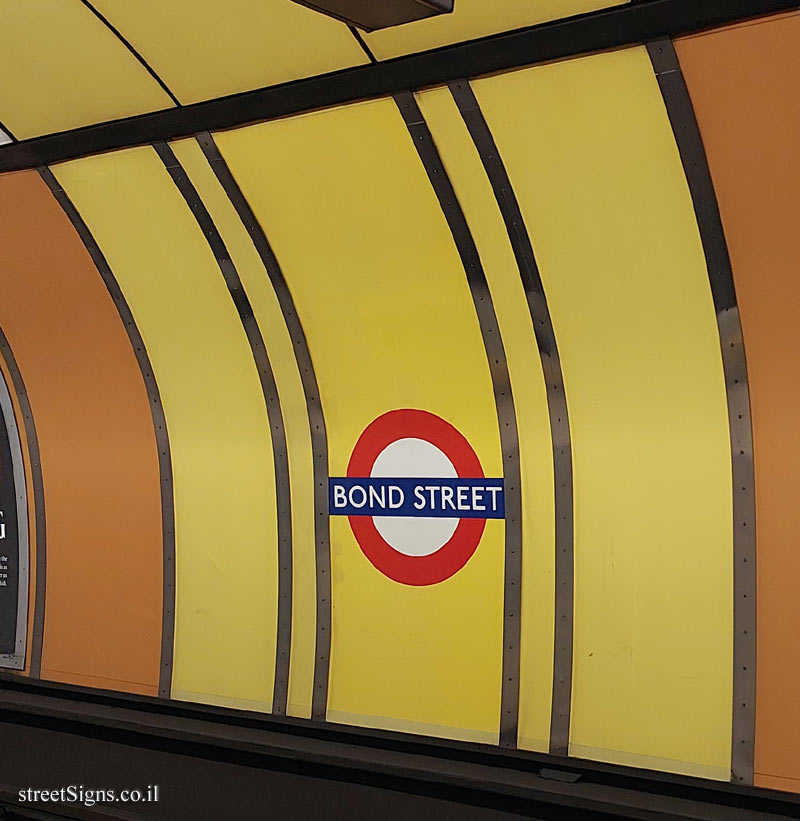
x,y
475,195
594,165
390,323
225,516
295,416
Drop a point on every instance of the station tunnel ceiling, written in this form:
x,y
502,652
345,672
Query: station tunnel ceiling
x,y
72,63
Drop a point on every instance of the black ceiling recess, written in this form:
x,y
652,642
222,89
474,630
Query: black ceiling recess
x,y
379,14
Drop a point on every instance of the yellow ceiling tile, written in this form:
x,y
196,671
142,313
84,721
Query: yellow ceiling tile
x,y
207,50
63,68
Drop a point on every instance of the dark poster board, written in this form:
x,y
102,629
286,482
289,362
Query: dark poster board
x,y
13,539
9,548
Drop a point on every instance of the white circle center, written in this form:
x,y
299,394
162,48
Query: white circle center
x,y
416,459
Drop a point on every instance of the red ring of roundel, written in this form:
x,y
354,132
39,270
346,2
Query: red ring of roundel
x,y
455,553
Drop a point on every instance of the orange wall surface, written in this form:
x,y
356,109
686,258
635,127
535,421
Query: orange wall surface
x,y
97,446
744,85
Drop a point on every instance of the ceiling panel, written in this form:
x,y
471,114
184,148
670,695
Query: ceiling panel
x,y
63,68
233,46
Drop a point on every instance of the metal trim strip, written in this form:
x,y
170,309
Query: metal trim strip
x,y
316,417
16,660
504,402
38,502
159,425
363,43
720,274
274,414
319,442
557,405
130,47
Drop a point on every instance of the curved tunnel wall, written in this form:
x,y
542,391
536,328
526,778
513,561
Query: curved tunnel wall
x,y
365,199
224,484
627,287
93,422
538,276
750,124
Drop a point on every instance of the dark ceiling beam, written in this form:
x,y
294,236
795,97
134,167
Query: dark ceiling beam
x,y
370,15
597,31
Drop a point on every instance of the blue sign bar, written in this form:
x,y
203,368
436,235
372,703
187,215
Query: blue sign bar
x,y
429,498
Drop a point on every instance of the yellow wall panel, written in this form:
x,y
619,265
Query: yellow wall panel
x,y
295,416
591,156
224,485
223,48
475,195
63,68
390,323
472,19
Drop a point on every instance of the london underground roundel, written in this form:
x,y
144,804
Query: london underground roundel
x,y
416,497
